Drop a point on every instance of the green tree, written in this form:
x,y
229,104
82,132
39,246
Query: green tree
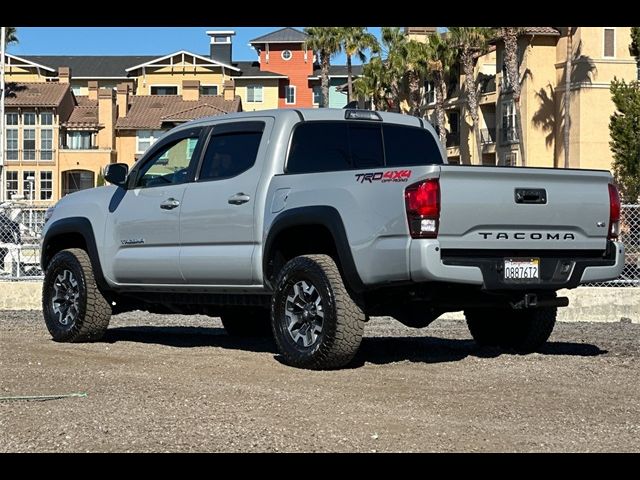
x,y
471,43
511,76
441,56
356,41
624,127
371,83
326,42
394,49
417,70
11,36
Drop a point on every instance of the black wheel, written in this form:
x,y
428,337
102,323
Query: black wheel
x,y
74,308
522,330
247,322
315,322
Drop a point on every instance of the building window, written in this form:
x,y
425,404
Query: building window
x,y
29,184
12,144
12,118
209,90
254,93
46,118
286,55
509,134
12,184
76,180
317,94
510,159
146,138
453,137
29,144
79,140
430,92
46,144
290,94
164,90
609,42
46,185
29,118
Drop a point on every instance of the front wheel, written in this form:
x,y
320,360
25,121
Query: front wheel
x,y
74,308
315,321
522,330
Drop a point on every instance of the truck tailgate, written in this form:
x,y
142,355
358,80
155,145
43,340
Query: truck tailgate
x,y
523,208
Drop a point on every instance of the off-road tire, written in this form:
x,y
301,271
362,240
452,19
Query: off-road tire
x,y
93,309
343,322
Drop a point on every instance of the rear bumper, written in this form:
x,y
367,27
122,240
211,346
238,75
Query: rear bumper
x,y
558,269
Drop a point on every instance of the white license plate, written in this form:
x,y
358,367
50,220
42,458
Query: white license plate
x,y
526,269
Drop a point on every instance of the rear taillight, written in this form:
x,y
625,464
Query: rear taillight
x,y
614,212
422,202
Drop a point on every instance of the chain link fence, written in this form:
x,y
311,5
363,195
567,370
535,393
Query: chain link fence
x,y
630,236
21,226
20,229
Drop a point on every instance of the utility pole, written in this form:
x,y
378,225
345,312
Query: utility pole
x,y
3,41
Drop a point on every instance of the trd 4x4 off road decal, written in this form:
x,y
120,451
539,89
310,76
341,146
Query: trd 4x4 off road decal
x,y
383,177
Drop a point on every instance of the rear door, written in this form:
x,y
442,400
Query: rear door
x,y
217,219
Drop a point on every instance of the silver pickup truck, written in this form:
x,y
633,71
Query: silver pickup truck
x,y
303,223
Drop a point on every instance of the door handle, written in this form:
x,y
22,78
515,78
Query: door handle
x,y
169,204
239,198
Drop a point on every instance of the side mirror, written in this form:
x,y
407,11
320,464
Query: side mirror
x,y
116,174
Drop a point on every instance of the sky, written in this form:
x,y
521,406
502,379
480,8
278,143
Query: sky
x,y
137,41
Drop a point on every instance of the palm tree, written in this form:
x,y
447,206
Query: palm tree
x,y
325,41
371,83
510,35
567,95
355,41
441,57
417,54
394,47
472,43
11,37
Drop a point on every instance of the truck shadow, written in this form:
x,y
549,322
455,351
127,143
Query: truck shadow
x,y
376,350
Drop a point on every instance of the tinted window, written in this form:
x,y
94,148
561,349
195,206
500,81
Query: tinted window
x,y
366,145
408,146
319,147
169,165
230,153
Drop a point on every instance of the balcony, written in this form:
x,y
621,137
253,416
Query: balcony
x,y
487,136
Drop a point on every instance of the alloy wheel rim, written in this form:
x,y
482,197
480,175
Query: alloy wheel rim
x,y
304,313
66,297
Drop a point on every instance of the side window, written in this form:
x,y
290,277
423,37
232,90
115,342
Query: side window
x,y
408,146
319,147
169,165
232,149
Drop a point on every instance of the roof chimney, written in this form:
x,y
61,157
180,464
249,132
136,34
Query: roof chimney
x,y
191,90
64,74
93,89
228,90
122,99
221,45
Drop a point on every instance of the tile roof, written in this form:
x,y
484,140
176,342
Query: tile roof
x,y
92,65
151,111
542,31
84,114
286,34
35,94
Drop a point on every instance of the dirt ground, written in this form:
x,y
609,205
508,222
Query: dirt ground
x,y
176,383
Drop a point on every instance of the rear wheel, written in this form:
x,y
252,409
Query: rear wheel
x,y
247,322
73,306
315,321
522,330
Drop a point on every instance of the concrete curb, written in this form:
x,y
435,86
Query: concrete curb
x,y
586,304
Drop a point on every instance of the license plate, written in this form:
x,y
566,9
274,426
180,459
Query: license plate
x,y
521,269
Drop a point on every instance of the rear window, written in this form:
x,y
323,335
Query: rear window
x,y
334,146
409,146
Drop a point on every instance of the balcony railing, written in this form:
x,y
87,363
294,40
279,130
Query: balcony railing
x,y
453,139
487,136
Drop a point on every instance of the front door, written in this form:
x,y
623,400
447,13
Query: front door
x,y
145,222
217,219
